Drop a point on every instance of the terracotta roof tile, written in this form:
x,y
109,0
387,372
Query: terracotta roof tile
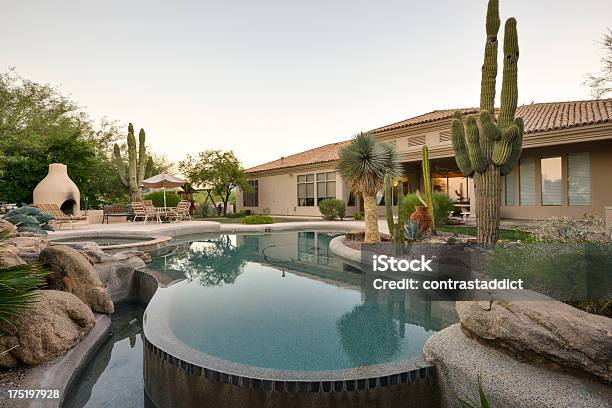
x,y
538,117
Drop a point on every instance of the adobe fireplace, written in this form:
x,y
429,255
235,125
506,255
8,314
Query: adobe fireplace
x,y
58,188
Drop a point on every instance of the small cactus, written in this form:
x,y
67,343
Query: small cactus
x,y
428,188
137,165
396,229
488,147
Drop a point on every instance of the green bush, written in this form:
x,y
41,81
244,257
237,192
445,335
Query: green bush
x,y
358,216
172,199
258,219
442,206
236,215
332,208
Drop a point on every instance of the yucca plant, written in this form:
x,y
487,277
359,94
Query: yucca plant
x,y
363,163
18,290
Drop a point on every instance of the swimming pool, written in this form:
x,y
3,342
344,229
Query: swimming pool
x,y
278,312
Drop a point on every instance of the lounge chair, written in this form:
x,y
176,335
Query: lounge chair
x,y
181,211
145,212
59,217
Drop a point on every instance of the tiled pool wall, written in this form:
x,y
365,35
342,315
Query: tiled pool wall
x,y
172,382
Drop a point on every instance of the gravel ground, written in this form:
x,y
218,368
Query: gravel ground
x,y
10,379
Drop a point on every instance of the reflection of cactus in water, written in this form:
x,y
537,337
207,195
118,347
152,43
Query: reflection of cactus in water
x,y
485,147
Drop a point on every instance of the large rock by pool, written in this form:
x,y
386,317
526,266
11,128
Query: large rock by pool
x,y
57,321
74,273
542,331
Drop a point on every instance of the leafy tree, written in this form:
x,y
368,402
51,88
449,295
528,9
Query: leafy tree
x,y
39,126
601,83
218,170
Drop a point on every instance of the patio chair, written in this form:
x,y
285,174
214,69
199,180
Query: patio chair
x,y
59,217
181,211
145,212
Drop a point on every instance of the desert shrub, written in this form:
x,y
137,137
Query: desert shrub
x,y
240,214
258,219
411,201
588,229
332,208
358,216
172,199
443,205
204,211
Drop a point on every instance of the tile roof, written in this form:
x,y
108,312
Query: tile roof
x,y
538,117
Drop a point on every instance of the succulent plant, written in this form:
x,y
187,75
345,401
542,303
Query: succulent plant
x,y
488,147
428,188
395,229
137,165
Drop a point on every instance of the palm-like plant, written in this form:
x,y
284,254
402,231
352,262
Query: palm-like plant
x,y
363,164
18,292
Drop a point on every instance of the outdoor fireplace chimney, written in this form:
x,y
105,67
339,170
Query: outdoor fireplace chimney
x,y
58,188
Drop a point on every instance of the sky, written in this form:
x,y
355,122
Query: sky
x,y
270,78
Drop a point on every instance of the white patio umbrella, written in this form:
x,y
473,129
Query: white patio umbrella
x,y
163,181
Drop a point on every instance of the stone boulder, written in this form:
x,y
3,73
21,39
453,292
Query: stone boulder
x,y
542,331
29,245
8,228
57,321
73,273
9,257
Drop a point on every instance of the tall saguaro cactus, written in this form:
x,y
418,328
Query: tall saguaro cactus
x,y
488,147
428,187
137,165
396,230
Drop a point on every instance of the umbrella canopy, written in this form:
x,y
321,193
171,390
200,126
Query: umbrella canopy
x,y
164,181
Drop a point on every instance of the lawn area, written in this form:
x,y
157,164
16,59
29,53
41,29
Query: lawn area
x,y
511,235
238,220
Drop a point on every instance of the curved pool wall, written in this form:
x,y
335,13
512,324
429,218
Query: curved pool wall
x,y
116,243
175,375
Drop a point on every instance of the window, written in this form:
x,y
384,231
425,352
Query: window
x,y
579,178
306,247
527,181
510,190
251,198
326,186
552,187
305,184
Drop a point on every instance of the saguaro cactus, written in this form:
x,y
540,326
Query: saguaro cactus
x,y
428,188
137,165
489,147
396,229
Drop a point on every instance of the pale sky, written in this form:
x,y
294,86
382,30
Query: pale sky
x,y
271,78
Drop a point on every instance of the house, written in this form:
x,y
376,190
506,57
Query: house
x,y
565,167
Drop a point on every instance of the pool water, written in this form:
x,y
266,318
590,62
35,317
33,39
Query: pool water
x,y
113,378
283,301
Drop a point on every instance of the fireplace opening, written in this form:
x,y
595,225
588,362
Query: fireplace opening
x,y
68,207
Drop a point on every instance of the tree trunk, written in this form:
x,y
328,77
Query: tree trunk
x,y
371,219
487,189
136,196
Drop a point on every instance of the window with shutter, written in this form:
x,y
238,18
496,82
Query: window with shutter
x,y
579,178
527,181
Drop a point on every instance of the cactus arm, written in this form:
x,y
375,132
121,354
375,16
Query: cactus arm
x,y
489,127
509,93
489,67
459,147
402,213
149,168
131,141
517,144
389,204
477,157
142,156
120,166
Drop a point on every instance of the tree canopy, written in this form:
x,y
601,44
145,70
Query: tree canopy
x,y
221,171
601,83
